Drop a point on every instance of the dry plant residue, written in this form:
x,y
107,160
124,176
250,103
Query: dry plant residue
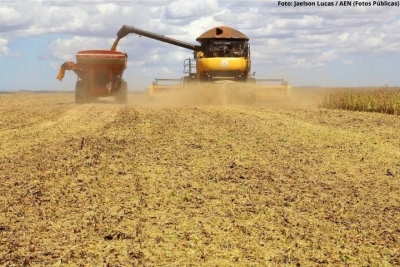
x,y
166,184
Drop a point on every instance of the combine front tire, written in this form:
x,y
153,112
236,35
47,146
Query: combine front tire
x,y
122,95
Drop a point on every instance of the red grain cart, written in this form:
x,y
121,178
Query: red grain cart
x,y
99,75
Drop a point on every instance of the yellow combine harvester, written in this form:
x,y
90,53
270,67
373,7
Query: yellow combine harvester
x,y
221,62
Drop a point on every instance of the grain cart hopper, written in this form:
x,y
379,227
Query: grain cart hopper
x,y
99,75
223,57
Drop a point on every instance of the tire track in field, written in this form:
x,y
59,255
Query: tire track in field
x,y
220,164
77,121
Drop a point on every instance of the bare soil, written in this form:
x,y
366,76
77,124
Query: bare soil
x,y
165,183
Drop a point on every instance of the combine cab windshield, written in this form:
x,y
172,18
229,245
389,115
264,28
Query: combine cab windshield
x,y
226,49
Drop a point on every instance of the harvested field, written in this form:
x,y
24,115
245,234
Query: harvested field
x,y
283,184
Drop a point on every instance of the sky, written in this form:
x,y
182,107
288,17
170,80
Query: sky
x,y
336,46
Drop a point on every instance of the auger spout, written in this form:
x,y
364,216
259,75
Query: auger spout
x,y
125,30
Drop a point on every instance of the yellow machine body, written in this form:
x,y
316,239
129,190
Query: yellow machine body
x,y
222,68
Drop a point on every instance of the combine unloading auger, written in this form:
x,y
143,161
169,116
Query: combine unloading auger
x,y
125,30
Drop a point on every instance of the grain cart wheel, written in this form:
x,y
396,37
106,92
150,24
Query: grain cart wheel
x,y
122,95
80,93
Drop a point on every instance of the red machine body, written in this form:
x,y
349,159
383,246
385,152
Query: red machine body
x,y
99,74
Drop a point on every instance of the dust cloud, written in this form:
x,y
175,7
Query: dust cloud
x,y
227,94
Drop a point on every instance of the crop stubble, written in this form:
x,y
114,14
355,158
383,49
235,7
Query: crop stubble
x,y
141,184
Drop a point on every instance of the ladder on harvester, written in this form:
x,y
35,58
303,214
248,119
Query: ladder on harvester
x,y
189,68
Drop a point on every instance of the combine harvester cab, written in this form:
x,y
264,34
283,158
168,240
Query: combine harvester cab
x,y
99,75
